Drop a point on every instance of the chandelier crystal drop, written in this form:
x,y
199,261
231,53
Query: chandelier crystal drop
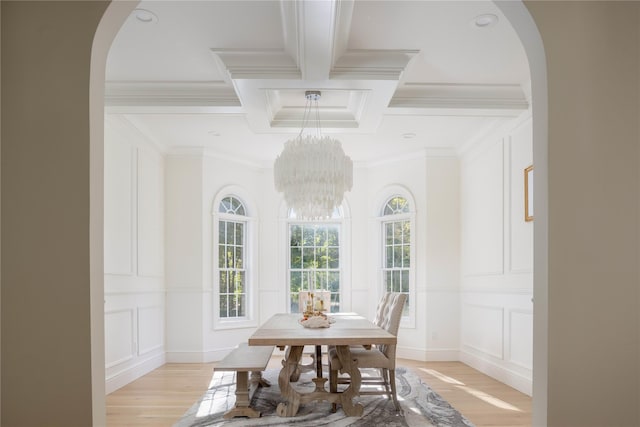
x,y
313,172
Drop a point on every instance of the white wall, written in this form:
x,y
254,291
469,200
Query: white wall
x,y
497,261
133,255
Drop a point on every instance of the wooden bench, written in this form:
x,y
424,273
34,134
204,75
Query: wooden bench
x,y
242,360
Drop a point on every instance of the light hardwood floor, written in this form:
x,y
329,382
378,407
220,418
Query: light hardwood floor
x,y
161,397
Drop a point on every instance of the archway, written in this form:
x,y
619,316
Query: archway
x,y
521,21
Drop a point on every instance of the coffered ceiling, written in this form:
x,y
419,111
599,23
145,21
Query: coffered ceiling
x,y
396,77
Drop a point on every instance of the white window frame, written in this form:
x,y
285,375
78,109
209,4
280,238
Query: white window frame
x,y
408,321
250,320
345,252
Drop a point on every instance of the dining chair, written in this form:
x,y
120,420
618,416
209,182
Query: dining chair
x,y
381,357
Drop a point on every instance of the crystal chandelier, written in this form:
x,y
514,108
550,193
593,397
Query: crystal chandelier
x,y
312,171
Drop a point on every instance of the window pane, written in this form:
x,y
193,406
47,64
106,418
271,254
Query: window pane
x,y
221,255
397,256
296,258
388,259
232,282
230,232
397,233
308,235
396,281
388,233
223,306
221,230
335,303
334,257
223,282
406,256
405,281
242,304
239,233
233,309
296,235
321,236
406,231
225,205
239,282
308,260
322,258
387,281
334,281
333,238
238,257
295,305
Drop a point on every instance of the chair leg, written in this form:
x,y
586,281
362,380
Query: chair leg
x,y
333,385
384,374
392,381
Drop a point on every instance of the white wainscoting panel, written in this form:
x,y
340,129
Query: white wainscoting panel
x,y
483,329
150,329
119,338
521,338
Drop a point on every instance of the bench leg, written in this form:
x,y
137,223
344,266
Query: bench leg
x,y
242,408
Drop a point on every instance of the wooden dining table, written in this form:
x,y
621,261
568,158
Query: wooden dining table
x,y
285,331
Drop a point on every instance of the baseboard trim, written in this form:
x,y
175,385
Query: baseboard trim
x,y
197,356
422,355
500,373
134,372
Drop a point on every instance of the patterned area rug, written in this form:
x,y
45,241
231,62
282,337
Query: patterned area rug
x,y
421,406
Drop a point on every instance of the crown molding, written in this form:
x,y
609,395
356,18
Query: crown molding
x,y
169,94
372,64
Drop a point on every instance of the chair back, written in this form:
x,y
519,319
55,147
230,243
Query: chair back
x,y
392,314
381,309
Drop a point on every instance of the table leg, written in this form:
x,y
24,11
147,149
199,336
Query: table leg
x,y
290,364
350,366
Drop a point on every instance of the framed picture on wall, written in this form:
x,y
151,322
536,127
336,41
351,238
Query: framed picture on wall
x,y
528,193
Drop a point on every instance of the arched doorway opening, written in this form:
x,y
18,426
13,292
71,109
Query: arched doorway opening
x,y
521,21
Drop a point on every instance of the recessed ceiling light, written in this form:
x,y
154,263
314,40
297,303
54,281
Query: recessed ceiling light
x,y
145,16
485,21
409,135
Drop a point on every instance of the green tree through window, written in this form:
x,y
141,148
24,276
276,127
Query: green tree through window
x,y
314,261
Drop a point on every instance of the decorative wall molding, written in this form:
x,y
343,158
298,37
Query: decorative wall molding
x,y
466,334
129,314
504,291
159,323
513,338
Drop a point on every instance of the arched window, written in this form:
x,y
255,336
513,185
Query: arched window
x,y
314,261
233,296
397,248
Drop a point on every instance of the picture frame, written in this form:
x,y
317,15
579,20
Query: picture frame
x,y
528,193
